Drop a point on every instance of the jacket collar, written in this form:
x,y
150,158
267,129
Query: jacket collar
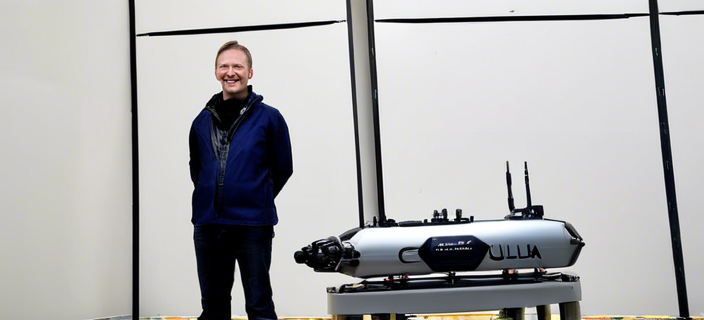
x,y
252,100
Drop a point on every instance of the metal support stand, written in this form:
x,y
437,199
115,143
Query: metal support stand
x,y
513,313
570,311
543,312
511,299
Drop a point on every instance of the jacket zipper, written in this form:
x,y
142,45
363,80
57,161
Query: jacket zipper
x,y
222,158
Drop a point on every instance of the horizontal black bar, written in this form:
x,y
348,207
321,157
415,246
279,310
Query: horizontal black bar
x,y
518,18
682,13
537,18
240,29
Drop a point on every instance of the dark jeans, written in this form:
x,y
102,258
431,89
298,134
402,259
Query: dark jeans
x,y
217,249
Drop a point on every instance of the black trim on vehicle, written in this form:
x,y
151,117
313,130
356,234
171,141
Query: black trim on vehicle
x,y
349,234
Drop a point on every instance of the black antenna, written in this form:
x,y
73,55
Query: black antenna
x,y
511,206
530,203
530,211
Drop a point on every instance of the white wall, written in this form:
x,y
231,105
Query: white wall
x,y
683,53
65,155
392,9
164,15
679,5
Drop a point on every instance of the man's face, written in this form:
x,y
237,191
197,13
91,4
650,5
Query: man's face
x,y
233,72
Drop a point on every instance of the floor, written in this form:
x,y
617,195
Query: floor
x,y
472,316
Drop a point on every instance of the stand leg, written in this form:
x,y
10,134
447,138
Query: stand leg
x,y
388,316
512,313
570,311
543,312
381,316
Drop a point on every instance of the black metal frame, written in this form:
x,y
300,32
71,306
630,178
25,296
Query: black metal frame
x,y
262,27
572,17
667,161
135,165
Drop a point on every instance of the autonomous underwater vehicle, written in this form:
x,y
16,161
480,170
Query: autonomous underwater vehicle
x,y
397,250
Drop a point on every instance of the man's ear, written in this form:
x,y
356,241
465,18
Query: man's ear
x,y
251,73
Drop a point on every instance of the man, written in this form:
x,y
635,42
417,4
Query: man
x,y
240,159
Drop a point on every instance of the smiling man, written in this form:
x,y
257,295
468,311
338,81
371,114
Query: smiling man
x,y
233,70
240,159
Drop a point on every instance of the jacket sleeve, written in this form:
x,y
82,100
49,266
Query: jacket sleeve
x,y
194,154
280,151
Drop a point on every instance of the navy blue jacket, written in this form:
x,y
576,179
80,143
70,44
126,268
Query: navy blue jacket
x,y
237,173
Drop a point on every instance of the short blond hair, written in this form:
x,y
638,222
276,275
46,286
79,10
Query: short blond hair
x,y
234,45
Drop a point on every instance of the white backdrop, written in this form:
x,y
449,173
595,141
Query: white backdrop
x,y
683,53
164,15
679,5
575,99
302,72
65,160
389,9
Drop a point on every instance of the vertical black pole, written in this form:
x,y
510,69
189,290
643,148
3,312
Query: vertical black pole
x,y
375,110
350,39
135,166
667,161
